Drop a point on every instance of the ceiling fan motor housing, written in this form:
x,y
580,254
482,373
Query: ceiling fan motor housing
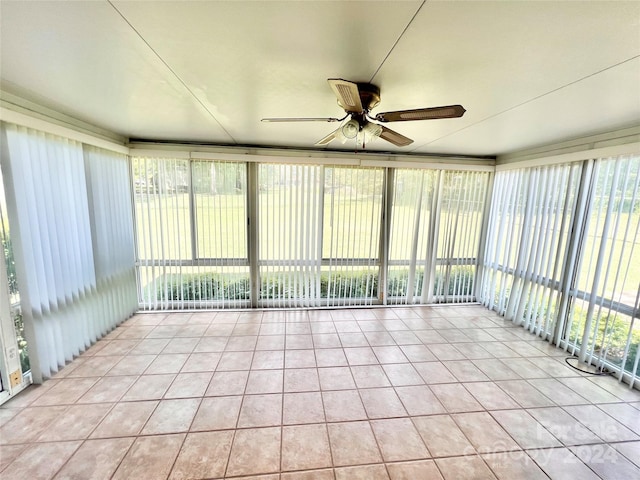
x,y
369,97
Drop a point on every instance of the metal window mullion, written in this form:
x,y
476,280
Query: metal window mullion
x,y
385,234
598,270
252,232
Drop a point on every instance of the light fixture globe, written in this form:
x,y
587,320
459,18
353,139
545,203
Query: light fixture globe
x,y
351,128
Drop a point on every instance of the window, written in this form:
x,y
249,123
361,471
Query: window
x,y
229,234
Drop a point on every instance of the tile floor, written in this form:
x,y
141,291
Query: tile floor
x,y
394,393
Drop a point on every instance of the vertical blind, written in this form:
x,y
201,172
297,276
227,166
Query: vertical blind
x,y
562,257
69,295
603,323
224,234
435,232
290,234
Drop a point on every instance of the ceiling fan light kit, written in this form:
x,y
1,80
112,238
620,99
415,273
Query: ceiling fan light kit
x,y
357,100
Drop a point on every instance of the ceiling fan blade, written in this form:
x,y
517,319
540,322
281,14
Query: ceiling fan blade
x,y
394,137
301,119
329,138
433,113
347,93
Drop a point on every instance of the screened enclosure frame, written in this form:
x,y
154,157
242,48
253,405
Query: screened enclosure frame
x,y
571,279
334,273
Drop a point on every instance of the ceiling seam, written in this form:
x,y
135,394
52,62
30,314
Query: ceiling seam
x,y
397,41
195,97
530,100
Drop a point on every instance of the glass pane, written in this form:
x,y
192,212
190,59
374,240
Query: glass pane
x,y
163,220
220,201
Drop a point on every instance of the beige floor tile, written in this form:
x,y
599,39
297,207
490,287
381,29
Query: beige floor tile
x,y
7,414
95,459
298,342
227,383
172,416
132,364
353,443
620,390
201,362
305,447
486,435
561,464
326,340
419,400
390,354
8,453
301,408
423,470
29,424
272,328
360,356
527,368
150,457
607,462
471,466
368,472
495,369
299,359
108,389
265,381
558,392
232,360
331,357
369,376
95,366
76,423
261,411
255,451
625,414
40,461
336,378
353,340
301,380
211,345
525,394
455,398
245,343
586,388
418,353
347,326
203,455
405,337
125,419
382,403
343,405
490,396
149,387
268,360
442,436
167,363
514,465
399,440
180,346
217,413
445,351
187,385
465,371
563,426
603,425
434,373
631,450
525,429
270,342
325,474
380,339
65,392
402,374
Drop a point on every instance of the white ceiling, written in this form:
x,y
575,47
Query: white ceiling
x,y
528,73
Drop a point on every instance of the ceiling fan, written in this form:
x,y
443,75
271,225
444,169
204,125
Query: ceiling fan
x,y
357,100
